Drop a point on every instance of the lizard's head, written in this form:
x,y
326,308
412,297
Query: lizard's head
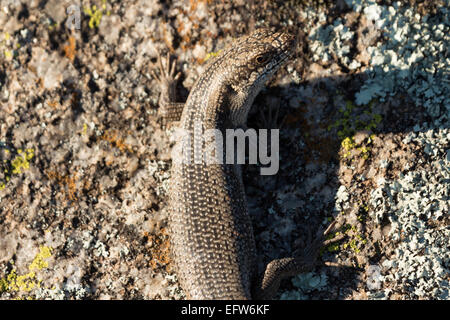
x,y
250,62
258,56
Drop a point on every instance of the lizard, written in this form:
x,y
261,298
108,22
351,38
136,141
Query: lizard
x,y
210,231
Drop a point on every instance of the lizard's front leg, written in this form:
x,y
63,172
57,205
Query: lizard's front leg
x,y
169,109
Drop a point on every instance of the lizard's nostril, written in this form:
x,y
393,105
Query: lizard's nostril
x,y
288,40
291,39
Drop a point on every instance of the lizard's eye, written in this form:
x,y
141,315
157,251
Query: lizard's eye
x,y
262,58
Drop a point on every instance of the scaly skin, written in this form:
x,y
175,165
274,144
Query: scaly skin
x,y
211,235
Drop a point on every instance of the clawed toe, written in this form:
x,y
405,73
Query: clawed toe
x,y
314,245
167,70
164,72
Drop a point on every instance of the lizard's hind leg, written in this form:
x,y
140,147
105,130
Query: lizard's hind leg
x,y
303,261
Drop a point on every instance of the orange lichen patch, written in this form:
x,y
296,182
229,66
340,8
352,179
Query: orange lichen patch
x,y
70,48
186,30
53,104
180,27
113,137
66,183
159,249
194,3
166,37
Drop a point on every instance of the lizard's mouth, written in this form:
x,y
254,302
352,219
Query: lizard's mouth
x,y
285,43
288,40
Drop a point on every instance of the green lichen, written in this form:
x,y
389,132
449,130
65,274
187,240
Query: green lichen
x,y
96,14
356,241
348,144
13,166
355,244
29,281
4,44
85,129
3,285
53,25
349,147
365,152
22,161
26,282
39,261
212,55
333,247
363,211
353,118
8,54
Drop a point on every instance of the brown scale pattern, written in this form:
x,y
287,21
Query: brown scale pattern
x,y
211,235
